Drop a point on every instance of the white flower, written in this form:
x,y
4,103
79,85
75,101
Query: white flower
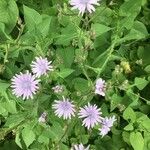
x,y
100,87
64,108
41,66
84,5
107,123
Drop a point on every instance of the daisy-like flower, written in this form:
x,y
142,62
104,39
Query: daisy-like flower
x,y
64,108
91,115
40,66
100,87
84,5
107,123
42,118
104,130
24,85
80,147
57,89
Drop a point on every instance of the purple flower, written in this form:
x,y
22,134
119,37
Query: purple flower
x,y
84,5
104,130
57,89
107,123
64,108
80,147
100,87
41,66
24,85
42,118
91,115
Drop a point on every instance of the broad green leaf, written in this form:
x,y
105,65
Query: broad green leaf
x,y
67,55
99,29
137,32
8,14
129,114
137,140
147,69
3,35
9,106
140,83
129,127
80,84
32,18
65,72
44,26
43,139
115,100
130,7
67,35
28,136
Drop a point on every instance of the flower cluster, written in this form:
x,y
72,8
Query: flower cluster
x,y
107,123
26,84
90,115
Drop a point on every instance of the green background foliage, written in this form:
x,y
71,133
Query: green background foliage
x,y
111,43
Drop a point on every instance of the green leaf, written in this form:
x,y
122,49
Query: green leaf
x,y
65,72
80,84
44,26
137,32
99,29
3,35
8,14
137,140
28,136
130,8
129,127
65,38
18,139
10,106
129,114
147,69
115,100
140,83
32,18
67,54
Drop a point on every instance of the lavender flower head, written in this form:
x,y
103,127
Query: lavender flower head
x,y
42,118
40,66
57,89
91,115
24,85
100,87
64,108
107,123
80,147
84,5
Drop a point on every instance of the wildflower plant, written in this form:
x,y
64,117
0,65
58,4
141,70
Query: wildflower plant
x,y
74,74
